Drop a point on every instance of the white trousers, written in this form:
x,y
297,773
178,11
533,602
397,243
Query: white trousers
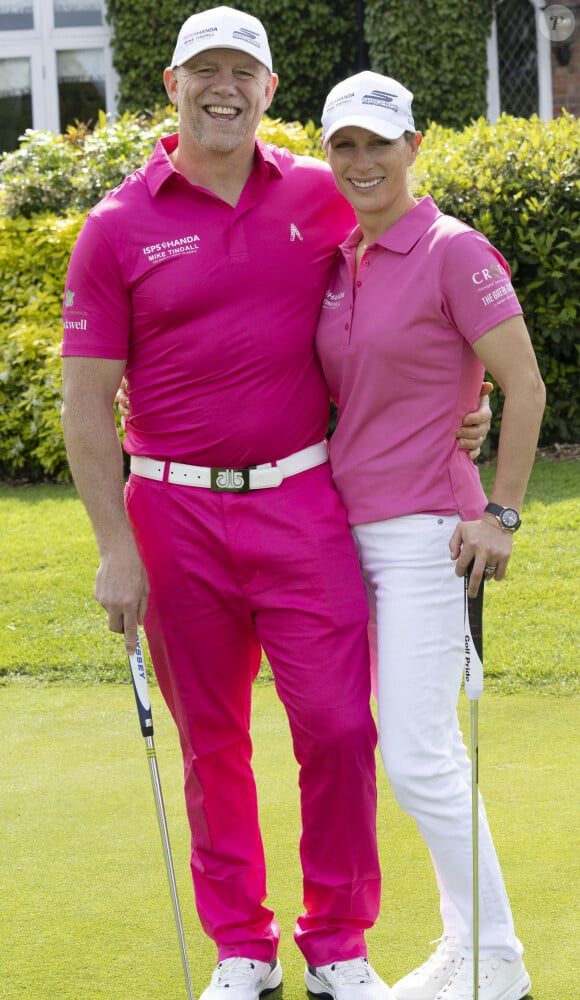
x,y
417,648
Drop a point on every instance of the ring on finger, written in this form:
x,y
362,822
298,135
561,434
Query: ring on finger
x,y
489,571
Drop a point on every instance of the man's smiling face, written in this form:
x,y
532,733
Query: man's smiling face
x,y
221,95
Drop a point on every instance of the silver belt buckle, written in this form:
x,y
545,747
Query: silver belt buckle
x,y
230,480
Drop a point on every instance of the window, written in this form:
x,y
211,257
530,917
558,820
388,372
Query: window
x,y
55,65
81,85
15,101
517,57
16,14
77,13
519,67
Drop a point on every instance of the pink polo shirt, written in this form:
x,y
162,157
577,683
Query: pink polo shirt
x,y
213,307
395,345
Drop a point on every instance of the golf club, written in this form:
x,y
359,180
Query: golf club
x,y
141,689
473,616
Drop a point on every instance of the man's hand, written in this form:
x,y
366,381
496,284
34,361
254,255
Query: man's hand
x,y
476,425
122,400
121,588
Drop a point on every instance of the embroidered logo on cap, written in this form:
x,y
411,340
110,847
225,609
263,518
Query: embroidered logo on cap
x,y
381,99
245,35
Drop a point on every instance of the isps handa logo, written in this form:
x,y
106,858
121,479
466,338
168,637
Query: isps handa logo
x,y
72,324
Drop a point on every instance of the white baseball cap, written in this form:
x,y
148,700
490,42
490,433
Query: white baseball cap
x,y
222,28
370,101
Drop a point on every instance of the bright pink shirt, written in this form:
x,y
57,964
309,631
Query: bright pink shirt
x,y
213,307
395,345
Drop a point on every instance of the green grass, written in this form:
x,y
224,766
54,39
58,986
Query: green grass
x,y
52,630
86,912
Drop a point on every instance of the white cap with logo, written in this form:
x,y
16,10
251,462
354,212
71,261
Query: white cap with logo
x,y
368,100
222,28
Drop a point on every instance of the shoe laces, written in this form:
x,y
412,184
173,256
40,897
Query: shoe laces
x,y
354,970
235,972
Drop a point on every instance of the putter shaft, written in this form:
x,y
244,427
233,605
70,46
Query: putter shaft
x,y
473,614
158,796
143,701
475,840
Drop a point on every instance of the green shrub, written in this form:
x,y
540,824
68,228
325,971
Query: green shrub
x,y
33,261
63,175
519,183
70,173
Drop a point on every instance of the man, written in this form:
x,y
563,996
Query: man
x,y
201,277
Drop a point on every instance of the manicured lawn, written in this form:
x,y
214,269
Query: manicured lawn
x,y
51,629
86,912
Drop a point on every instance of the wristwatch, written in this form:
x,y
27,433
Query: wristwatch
x,y
506,517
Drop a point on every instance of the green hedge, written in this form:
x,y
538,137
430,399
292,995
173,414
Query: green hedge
x,y
312,43
71,172
45,189
438,49
427,44
517,181
33,259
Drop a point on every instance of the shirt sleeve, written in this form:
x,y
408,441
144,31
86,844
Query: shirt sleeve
x,y
97,306
476,286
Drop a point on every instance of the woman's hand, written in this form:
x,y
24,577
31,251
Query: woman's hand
x,y
484,544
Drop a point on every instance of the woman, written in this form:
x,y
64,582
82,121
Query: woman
x,y
418,306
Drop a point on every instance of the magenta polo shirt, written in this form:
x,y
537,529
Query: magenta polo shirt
x,y
213,307
395,345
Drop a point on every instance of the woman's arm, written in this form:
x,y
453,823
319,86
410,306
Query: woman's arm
x,y
507,353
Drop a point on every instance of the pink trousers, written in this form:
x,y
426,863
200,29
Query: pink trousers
x,y
230,574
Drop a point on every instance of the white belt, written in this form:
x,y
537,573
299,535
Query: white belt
x,y
220,480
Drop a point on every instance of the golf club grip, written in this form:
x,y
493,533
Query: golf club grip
x,y
473,620
141,689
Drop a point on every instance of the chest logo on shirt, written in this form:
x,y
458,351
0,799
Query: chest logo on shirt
x,y
172,248
295,233
332,300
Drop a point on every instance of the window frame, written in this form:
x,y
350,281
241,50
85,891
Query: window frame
x,y
40,45
544,60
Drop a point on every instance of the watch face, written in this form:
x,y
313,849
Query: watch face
x,y
509,517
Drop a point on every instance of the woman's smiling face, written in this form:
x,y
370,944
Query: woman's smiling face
x,y
371,172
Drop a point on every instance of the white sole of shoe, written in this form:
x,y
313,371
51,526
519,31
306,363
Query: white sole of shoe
x,y
515,991
524,987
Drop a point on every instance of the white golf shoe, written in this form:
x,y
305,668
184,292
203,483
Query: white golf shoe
x,y
243,979
498,980
354,979
425,982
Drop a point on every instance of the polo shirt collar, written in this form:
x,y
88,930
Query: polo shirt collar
x,y
160,169
402,237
